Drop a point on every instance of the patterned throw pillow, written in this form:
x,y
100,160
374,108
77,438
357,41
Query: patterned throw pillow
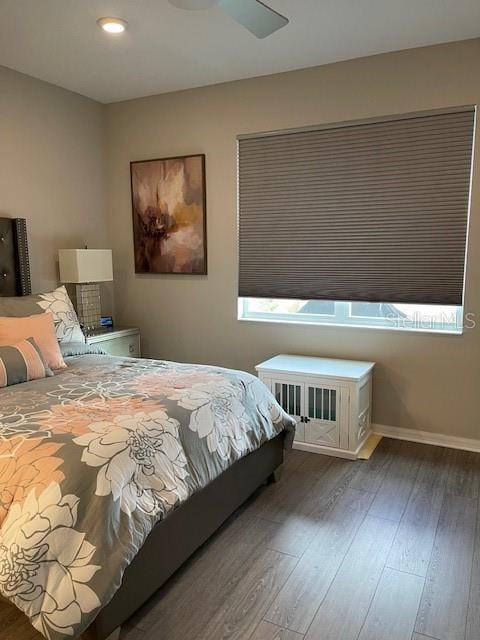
x,y
22,362
56,302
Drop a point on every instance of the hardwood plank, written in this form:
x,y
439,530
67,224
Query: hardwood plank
x,y
473,616
329,488
293,460
8,612
464,473
345,607
200,586
21,629
294,535
279,501
435,465
370,473
394,607
268,631
131,633
300,527
413,544
15,625
249,598
443,609
296,604
397,485
299,504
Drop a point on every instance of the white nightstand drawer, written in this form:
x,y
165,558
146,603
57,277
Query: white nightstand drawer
x,y
118,342
123,346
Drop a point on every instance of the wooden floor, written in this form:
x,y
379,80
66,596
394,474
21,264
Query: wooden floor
x,y
384,549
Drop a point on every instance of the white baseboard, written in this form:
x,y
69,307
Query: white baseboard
x,y
426,437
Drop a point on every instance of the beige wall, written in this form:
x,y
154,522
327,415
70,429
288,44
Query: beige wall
x,y
52,163
427,382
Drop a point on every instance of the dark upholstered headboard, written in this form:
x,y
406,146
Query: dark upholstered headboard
x,y
14,262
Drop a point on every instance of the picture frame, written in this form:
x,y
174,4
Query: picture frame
x,y
169,215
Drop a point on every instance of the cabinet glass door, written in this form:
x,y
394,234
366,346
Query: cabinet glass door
x,y
289,397
322,425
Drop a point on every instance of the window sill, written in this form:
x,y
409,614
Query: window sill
x,y
345,325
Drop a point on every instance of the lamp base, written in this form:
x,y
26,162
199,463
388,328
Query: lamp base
x,y
87,304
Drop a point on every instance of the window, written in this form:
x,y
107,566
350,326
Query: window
x,y
414,317
334,218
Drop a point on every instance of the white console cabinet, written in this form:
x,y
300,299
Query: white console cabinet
x,y
329,399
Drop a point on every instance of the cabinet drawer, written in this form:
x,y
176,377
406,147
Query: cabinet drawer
x,y
127,346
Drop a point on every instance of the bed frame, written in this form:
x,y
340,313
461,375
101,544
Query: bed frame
x,y
185,529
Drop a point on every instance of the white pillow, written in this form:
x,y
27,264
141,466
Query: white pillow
x,y
65,319
57,303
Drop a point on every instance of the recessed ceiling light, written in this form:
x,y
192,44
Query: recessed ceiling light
x,y
112,25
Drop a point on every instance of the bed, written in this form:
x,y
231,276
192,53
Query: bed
x,y
119,469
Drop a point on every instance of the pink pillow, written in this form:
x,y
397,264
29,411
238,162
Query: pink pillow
x,y
40,327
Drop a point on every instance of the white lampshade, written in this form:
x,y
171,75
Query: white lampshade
x,y
85,265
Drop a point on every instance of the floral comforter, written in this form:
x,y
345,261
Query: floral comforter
x,y
93,458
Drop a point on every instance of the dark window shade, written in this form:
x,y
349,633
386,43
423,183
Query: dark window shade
x,y
374,211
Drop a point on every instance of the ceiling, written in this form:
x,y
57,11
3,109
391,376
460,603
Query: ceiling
x,y
166,49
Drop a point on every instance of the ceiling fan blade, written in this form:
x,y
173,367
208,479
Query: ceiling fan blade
x,y
254,16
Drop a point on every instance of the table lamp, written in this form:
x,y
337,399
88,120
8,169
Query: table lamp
x,y
85,268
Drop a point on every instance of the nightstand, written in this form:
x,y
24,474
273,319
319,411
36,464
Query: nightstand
x,y
122,341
